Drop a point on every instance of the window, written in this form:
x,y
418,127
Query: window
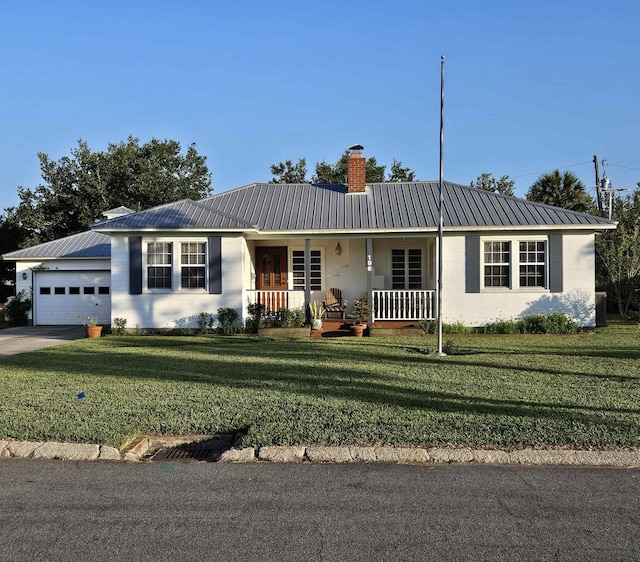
x,y
59,291
103,290
533,264
89,290
45,290
74,290
159,261
192,260
406,268
497,264
297,267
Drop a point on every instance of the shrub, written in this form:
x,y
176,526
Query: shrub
x,y
228,321
283,318
431,327
254,311
553,323
119,326
205,323
560,323
17,309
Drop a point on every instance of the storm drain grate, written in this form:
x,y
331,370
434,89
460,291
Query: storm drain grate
x,y
209,450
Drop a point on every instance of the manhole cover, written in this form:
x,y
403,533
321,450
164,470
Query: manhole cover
x,y
208,450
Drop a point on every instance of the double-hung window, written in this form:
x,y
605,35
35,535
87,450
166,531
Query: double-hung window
x,y
497,264
298,270
159,269
406,268
533,263
192,264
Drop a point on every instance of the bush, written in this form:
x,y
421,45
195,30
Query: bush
x,y
283,318
119,326
254,311
431,327
553,323
17,309
205,323
228,321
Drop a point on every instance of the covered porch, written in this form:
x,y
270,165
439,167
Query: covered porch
x,y
396,274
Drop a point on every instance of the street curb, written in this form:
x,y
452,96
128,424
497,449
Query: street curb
x,y
317,454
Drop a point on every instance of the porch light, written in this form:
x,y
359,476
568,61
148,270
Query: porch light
x,y
24,275
338,249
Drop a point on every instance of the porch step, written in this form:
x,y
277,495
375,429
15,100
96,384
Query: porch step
x,y
332,329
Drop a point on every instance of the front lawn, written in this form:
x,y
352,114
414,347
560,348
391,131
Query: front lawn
x,y
502,391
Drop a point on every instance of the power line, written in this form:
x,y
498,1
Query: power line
x,y
625,167
551,169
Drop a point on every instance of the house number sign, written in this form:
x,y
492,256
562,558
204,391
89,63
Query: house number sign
x,y
369,262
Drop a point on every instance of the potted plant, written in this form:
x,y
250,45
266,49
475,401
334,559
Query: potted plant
x,y
317,310
94,330
361,314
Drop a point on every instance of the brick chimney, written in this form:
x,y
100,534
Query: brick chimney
x,y
356,170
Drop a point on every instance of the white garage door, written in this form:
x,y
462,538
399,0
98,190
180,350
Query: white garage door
x,y
70,297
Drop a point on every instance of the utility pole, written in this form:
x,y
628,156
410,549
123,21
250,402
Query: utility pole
x,y
599,195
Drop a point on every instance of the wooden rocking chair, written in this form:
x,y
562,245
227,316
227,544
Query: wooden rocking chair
x,y
333,304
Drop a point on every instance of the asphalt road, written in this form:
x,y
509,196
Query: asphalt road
x,y
57,510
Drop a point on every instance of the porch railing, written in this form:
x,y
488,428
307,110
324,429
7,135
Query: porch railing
x,y
276,300
403,305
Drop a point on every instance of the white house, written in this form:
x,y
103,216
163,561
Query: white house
x,y
286,244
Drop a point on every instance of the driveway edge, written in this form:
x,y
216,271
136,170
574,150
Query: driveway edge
x,y
336,455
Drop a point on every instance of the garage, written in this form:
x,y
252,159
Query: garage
x,y
70,297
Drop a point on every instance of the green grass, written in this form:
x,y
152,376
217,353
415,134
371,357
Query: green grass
x,y
502,391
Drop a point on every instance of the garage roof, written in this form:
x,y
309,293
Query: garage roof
x,y
84,245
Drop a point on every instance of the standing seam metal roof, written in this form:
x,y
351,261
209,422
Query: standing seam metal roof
x,y
84,245
306,207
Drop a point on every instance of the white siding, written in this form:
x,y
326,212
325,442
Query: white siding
x,y
177,308
476,309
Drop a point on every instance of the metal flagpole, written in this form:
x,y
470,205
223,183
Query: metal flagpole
x,y
440,205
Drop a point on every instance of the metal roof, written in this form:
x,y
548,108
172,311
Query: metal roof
x,y
273,207
84,245
181,214
394,206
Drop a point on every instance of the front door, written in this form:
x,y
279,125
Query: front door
x,y
271,269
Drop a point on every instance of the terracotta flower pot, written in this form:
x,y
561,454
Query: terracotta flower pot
x,y
94,331
358,330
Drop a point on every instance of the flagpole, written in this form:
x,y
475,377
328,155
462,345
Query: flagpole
x,y
440,205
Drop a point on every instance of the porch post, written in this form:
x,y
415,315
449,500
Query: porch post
x,y
307,278
370,278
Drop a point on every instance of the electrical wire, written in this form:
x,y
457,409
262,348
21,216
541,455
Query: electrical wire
x,y
551,170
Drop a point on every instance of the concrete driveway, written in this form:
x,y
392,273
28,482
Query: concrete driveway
x,y
31,338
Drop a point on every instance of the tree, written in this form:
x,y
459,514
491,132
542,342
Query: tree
x,y
288,172
11,238
561,190
399,174
618,252
487,182
77,189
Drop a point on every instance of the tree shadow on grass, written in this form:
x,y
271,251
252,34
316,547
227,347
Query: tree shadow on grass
x,y
288,374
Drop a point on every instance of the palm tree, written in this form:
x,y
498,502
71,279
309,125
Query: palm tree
x,y
561,190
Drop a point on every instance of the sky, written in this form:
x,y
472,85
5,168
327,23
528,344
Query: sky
x,y
530,86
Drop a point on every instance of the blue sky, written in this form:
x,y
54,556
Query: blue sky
x,y
530,85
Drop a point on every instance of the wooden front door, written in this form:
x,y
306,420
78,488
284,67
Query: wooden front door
x,y
271,267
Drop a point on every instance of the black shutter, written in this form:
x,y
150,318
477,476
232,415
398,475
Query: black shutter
x,y
135,265
472,264
555,263
215,265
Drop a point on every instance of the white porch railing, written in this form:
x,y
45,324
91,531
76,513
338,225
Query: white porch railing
x,y
276,300
402,305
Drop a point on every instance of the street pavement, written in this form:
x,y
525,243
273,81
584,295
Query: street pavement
x,y
64,510
31,338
